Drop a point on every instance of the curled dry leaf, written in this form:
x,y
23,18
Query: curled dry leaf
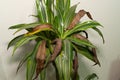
x,y
95,57
57,49
75,66
77,17
43,26
39,28
40,58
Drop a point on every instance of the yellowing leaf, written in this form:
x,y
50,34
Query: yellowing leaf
x,y
39,28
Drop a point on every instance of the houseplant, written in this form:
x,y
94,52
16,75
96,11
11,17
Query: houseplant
x,y
58,35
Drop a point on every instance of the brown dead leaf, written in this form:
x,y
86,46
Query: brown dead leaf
x,y
42,27
57,49
79,36
77,17
40,58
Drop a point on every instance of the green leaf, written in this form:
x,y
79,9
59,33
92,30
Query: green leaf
x,y
39,15
69,15
67,60
86,25
50,14
66,5
64,61
82,27
23,41
99,32
41,10
31,63
43,75
24,26
13,41
84,51
60,6
81,42
59,21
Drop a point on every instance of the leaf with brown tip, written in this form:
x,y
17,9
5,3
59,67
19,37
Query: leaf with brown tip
x,y
95,57
77,17
40,58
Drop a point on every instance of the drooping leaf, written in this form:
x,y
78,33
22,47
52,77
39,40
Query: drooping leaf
x,y
13,41
40,58
84,51
39,28
88,53
86,25
81,42
95,57
82,27
31,63
92,77
77,18
24,26
23,41
99,32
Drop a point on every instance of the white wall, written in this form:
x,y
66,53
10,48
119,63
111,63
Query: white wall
x,y
105,11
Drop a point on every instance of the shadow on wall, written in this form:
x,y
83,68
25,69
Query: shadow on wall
x,y
2,74
14,60
84,69
114,73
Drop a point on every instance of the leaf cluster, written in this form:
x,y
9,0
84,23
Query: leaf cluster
x,y
59,40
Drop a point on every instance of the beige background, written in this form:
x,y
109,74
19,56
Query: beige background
x,y
107,12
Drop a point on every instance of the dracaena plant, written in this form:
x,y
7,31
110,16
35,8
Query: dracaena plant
x,y
60,36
